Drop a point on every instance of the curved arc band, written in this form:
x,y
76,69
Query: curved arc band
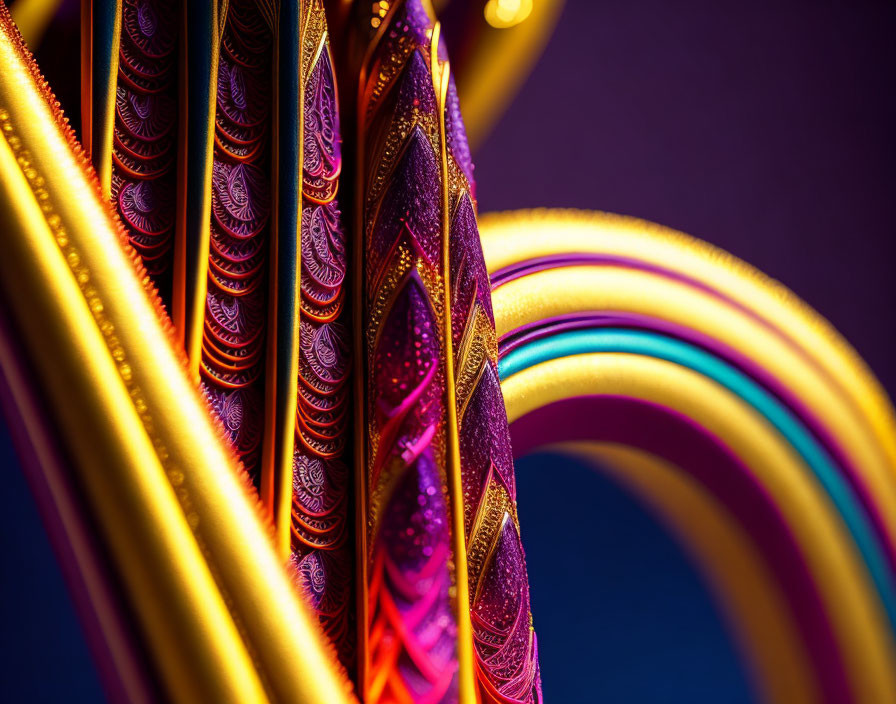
x,y
515,238
850,604
659,347
598,304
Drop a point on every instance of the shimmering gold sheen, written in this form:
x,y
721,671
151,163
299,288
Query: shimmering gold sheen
x,y
499,61
760,319
467,686
371,89
219,615
188,322
98,112
227,624
32,17
811,360
520,235
181,612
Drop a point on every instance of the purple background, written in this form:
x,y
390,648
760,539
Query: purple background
x,y
765,128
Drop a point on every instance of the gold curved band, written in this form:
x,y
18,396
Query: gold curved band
x,y
850,601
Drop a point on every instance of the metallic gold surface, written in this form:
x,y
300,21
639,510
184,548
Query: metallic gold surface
x,y
191,275
99,606
217,610
32,17
373,84
857,615
276,477
359,380
856,413
181,612
520,235
741,580
100,38
140,431
467,678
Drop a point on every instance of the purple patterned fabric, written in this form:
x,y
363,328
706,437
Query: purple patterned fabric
x,y
505,643
406,202
504,639
412,628
322,535
144,143
234,336
456,136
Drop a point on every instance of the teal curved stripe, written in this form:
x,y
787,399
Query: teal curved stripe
x,y
650,344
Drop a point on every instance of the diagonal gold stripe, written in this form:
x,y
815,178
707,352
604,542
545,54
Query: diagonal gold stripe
x,y
183,617
145,426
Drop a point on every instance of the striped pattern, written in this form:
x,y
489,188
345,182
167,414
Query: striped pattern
x,y
620,332
144,148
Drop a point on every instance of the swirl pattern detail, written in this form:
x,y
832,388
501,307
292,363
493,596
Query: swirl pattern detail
x,y
322,536
144,146
234,335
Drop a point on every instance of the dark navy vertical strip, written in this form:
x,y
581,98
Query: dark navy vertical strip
x,y
289,213
202,27
103,63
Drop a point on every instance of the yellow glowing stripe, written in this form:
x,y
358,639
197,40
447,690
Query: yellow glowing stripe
x,y
517,236
613,288
190,325
98,129
284,640
751,598
277,453
467,679
181,613
856,614
103,154
359,371
500,57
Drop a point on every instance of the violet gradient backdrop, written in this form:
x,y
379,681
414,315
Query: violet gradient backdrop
x,y
765,128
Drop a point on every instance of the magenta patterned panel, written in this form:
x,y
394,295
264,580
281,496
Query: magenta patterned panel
x,y
412,622
504,640
418,177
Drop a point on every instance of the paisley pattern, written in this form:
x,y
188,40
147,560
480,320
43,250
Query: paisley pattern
x,y
428,347
432,404
234,337
144,146
322,544
412,625
409,198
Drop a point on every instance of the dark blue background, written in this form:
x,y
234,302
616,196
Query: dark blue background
x,y
763,127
